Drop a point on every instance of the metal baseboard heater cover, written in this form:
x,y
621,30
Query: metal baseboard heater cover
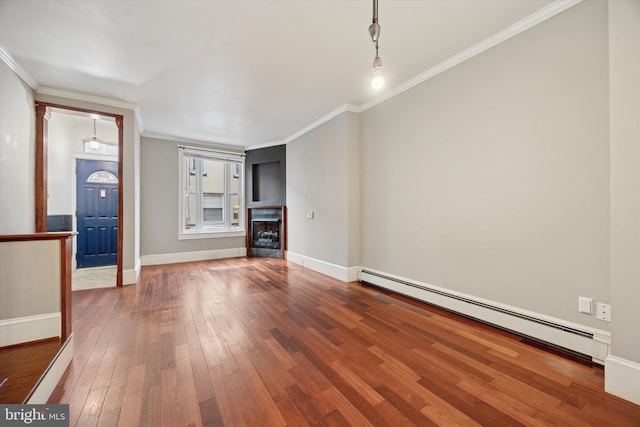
x,y
584,342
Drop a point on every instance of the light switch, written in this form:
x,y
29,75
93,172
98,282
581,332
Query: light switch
x,y
310,215
585,305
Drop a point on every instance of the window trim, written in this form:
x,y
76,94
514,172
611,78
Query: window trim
x,y
211,232
211,235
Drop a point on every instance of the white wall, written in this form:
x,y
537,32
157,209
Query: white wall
x,y
322,171
17,159
60,165
159,205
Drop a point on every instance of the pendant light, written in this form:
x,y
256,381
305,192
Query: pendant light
x,y
94,141
374,31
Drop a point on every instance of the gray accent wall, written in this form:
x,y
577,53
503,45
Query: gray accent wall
x,y
322,177
266,176
492,179
159,203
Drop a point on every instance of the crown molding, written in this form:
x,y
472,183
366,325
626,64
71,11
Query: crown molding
x,y
524,24
230,147
221,142
76,96
322,120
21,72
265,145
87,98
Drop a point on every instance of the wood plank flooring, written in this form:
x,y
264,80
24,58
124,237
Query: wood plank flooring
x,y
259,342
22,366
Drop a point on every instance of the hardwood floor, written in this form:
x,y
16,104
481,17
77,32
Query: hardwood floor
x,y
22,366
257,342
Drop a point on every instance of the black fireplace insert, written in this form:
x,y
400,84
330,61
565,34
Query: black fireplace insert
x,y
266,231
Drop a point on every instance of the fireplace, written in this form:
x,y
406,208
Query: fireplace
x,y
266,231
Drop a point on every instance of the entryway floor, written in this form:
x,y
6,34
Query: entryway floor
x,y
91,278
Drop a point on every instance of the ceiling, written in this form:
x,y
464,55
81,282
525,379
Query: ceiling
x,y
240,72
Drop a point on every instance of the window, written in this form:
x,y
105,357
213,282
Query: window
x,y
211,199
108,148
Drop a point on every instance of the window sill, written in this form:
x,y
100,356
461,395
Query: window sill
x,y
211,235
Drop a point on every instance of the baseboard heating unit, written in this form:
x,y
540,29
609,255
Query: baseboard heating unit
x,y
578,339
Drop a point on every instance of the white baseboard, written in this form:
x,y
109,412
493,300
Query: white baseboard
x,y
572,336
130,277
622,378
353,273
345,274
52,375
158,259
29,328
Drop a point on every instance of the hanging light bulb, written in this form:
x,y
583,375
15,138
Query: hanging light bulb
x,y
378,81
94,141
374,31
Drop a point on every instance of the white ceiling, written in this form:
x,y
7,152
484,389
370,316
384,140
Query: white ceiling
x,y
240,72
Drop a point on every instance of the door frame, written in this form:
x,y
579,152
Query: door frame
x,y
43,112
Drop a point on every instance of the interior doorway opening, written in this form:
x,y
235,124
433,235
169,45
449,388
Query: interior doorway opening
x,y
70,196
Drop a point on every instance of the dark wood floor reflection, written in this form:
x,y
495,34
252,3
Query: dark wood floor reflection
x,y
22,366
257,342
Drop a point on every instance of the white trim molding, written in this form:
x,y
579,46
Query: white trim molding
x,y
117,103
211,235
204,145
49,380
6,57
29,328
622,378
77,96
345,274
173,258
322,120
131,276
575,337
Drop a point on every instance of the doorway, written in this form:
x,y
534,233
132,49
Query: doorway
x,y
97,213
86,126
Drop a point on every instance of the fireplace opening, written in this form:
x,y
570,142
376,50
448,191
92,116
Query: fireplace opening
x,y
266,231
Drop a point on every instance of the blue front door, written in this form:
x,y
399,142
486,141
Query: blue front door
x,y
97,210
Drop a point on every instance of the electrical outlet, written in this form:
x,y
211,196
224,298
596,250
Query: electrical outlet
x,y
585,305
603,312
310,215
